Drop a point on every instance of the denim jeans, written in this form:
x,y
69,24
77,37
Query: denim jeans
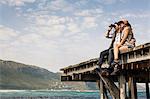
x,y
109,54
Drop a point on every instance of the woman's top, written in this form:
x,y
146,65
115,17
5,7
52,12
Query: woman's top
x,y
118,38
130,40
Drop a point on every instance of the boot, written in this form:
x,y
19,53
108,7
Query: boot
x,y
116,71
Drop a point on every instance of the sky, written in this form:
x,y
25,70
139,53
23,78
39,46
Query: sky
x,y
53,34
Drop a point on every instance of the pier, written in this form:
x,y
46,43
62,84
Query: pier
x,y
135,68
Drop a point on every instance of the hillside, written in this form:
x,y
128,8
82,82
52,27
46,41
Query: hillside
x,y
15,75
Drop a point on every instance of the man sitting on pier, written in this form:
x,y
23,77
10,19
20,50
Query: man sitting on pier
x,y
109,51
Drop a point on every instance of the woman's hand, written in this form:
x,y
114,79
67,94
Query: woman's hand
x,y
118,45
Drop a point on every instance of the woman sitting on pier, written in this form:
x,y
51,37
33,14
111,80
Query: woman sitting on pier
x,y
123,41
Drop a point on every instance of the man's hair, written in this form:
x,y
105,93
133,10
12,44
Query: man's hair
x,y
120,22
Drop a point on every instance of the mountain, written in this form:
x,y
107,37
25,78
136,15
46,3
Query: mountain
x,y
14,75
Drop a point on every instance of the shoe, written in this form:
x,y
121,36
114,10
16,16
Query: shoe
x,y
111,68
115,72
113,64
106,72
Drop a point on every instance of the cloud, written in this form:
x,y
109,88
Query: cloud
x,y
89,12
73,27
110,2
50,19
55,5
61,5
136,15
29,38
7,33
47,31
16,2
90,22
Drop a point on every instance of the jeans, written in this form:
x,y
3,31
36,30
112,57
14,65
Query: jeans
x,y
109,54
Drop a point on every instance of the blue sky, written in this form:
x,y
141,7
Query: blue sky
x,y
56,33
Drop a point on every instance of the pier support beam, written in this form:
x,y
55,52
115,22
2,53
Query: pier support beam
x,y
147,90
110,85
132,88
122,85
102,90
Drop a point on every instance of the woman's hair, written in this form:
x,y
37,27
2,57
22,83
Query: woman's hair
x,y
128,24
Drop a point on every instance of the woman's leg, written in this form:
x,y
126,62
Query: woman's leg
x,y
116,52
121,49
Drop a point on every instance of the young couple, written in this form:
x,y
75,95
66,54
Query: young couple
x,y
122,40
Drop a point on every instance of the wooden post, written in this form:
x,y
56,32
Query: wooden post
x,y
102,90
132,88
110,85
105,93
122,85
147,90
129,87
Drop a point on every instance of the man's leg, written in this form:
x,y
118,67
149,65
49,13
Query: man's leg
x,y
110,56
101,58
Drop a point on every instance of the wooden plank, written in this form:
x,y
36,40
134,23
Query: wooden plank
x,y
113,89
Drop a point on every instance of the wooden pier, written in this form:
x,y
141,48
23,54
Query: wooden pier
x,y
135,68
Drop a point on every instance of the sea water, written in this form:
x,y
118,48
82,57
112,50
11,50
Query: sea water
x,y
55,94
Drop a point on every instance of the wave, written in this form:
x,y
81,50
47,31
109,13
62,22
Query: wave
x,y
12,90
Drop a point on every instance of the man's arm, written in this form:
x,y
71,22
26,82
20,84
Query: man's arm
x,y
107,33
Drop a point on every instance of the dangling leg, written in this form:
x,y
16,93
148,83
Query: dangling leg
x,y
116,60
101,58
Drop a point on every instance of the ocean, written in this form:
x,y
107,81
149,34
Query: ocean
x,y
57,94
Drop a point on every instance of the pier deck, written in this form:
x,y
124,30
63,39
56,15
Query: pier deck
x,y
135,68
